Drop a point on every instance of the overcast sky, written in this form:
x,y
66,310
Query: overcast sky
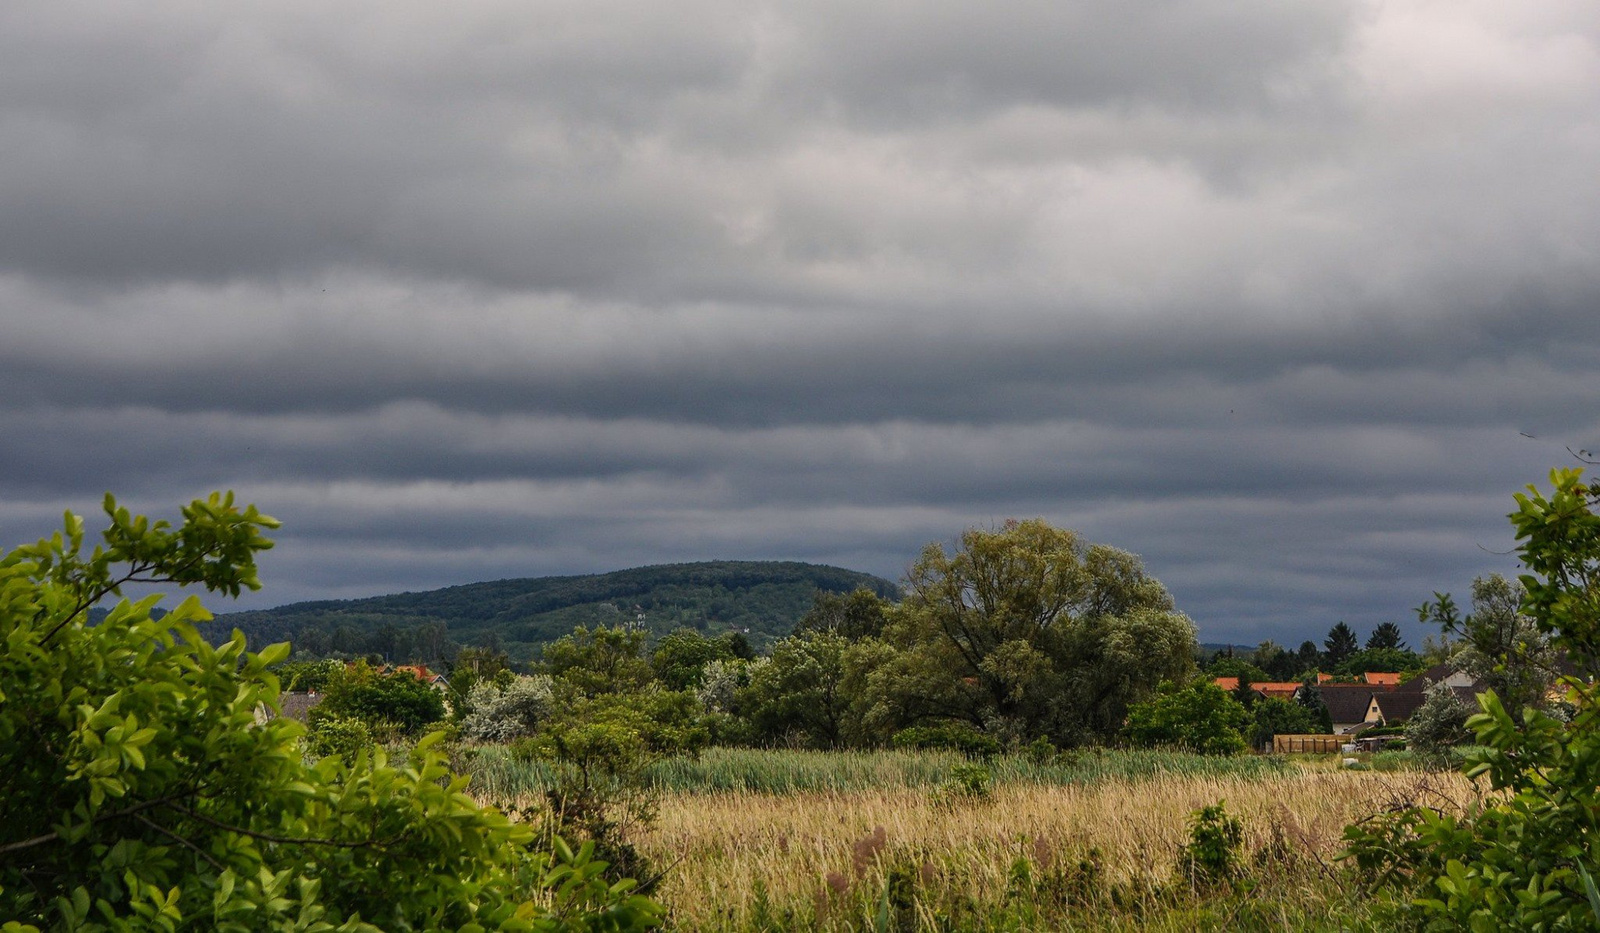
x,y
1269,293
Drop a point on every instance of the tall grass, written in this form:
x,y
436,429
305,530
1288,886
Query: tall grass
x,y
499,775
833,841
823,860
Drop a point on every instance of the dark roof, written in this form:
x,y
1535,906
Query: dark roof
x,y
1347,702
1398,707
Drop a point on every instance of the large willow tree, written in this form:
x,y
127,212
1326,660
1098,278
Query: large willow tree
x,y
1028,630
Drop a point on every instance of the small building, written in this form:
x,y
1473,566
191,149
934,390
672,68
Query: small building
x,y
1352,707
1395,708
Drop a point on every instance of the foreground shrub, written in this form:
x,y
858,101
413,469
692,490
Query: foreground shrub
x,y
1525,861
1211,856
140,787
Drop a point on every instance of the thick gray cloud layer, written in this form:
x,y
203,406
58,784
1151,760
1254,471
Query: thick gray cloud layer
x,y
1267,293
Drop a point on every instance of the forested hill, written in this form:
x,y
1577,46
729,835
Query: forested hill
x,y
765,597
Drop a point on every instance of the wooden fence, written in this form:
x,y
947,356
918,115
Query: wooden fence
x,y
1306,744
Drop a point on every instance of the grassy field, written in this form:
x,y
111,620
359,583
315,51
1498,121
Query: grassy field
x,y
498,774
779,840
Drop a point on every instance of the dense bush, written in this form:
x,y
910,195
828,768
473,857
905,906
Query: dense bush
x,y
140,788
1211,856
1199,716
1525,862
1438,725
398,703
1277,716
957,737
502,713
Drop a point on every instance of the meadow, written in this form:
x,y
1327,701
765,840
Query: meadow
x,y
777,840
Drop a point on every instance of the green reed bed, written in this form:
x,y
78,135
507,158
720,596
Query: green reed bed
x,y
498,774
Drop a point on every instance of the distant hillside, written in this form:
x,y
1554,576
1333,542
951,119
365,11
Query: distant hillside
x,y
765,597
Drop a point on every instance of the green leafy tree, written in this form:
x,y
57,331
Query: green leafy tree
x,y
1503,647
1278,716
857,615
802,693
1244,692
397,702
1438,725
307,676
680,658
141,789
1339,645
1308,659
1386,635
1276,662
1198,716
474,666
599,661
1309,697
1224,666
1028,630
1380,659
1525,861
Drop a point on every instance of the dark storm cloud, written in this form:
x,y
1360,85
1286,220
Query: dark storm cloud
x,y
1269,294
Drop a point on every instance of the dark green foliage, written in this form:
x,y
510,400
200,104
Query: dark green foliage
x,y
679,658
1385,635
599,661
141,789
1339,645
1277,716
1309,697
805,695
1279,664
1244,693
1199,717
1525,861
861,614
955,736
307,676
1225,666
1041,751
1028,630
472,666
970,780
397,701
766,597
1211,856
1380,659
1308,658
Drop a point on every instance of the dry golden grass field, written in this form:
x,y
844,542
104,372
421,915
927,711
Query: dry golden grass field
x,y
1095,855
